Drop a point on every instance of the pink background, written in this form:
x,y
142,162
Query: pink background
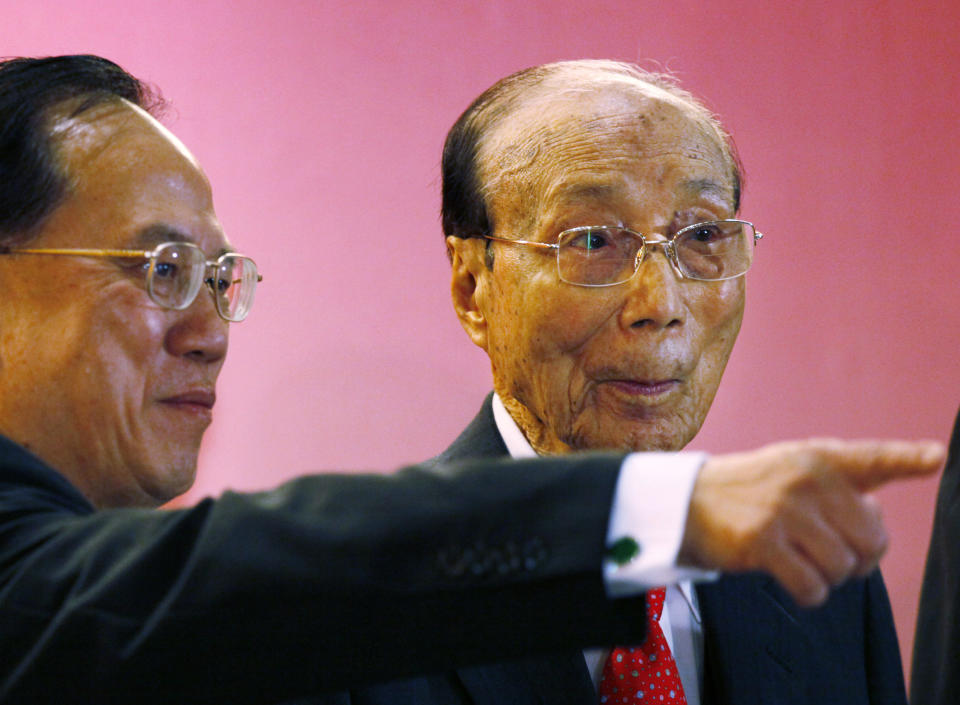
x,y
320,125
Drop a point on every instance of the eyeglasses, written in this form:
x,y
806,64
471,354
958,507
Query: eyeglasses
x,y
176,272
602,255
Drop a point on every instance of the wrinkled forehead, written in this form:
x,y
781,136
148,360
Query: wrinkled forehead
x,y
590,123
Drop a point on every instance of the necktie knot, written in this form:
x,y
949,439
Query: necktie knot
x,y
655,600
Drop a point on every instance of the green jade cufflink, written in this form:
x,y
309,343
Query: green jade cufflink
x,y
623,550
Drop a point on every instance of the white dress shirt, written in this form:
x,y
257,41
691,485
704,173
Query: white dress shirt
x,y
650,505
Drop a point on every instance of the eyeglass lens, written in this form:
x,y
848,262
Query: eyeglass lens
x,y
606,255
235,286
177,273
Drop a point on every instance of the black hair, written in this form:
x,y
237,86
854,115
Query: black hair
x,y
32,183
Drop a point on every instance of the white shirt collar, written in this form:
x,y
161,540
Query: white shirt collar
x,y
517,444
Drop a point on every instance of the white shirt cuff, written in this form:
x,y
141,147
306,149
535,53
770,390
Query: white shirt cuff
x,y
650,506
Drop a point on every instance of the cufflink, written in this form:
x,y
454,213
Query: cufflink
x,y
623,550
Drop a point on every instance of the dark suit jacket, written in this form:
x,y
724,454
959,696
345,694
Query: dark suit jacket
x,y
935,678
326,582
760,648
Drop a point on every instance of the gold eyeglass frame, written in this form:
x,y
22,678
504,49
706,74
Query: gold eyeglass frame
x,y
152,256
667,244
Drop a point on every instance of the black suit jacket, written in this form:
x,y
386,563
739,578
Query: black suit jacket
x,y
326,582
935,678
760,648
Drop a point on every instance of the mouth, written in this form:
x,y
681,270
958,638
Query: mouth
x,y
195,401
652,390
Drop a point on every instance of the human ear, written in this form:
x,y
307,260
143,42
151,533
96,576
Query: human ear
x,y
467,285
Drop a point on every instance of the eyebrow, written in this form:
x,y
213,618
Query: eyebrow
x,y
694,187
591,190
706,187
594,191
159,233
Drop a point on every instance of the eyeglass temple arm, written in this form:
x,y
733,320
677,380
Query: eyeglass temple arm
x,y
550,245
209,280
4,250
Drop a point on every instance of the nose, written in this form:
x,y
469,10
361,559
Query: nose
x,y
197,332
654,297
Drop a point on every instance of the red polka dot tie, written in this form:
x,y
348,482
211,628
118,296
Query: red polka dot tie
x,y
646,673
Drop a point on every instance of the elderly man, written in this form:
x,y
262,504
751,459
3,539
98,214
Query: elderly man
x,y
591,211
118,287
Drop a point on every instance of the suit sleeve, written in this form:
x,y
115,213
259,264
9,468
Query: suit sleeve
x,y
326,582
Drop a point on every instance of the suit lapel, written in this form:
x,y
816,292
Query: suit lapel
x,y
480,439
753,646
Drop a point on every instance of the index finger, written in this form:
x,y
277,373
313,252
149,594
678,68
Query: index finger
x,y
869,464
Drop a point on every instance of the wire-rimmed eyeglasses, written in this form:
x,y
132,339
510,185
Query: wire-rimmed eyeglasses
x,y
605,255
176,271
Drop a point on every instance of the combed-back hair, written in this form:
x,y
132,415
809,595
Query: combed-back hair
x,y
464,210
32,182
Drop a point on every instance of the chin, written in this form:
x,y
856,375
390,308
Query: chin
x,y
167,483
633,436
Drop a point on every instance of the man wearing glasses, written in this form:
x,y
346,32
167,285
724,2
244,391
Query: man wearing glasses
x,y
591,218
118,287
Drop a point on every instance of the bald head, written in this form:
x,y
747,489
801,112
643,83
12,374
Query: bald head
x,y
507,132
